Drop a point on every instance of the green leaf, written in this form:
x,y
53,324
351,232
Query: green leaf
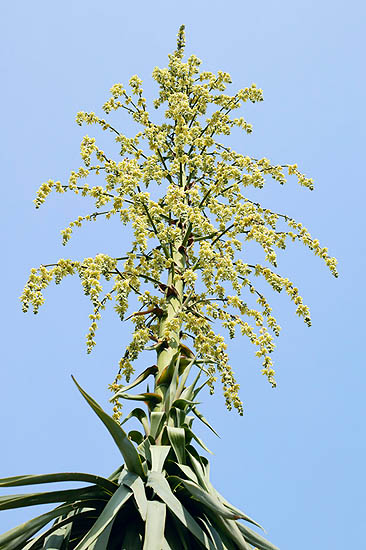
x,y
197,468
176,534
234,509
158,456
230,529
140,414
202,474
17,481
69,495
22,532
110,511
151,399
255,539
183,403
172,388
217,540
57,535
177,440
182,539
136,382
127,449
188,393
155,524
165,377
101,542
188,422
203,419
114,476
136,485
161,487
187,470
178,416
199,441
136,436
184,376
209,501
156,423
144,449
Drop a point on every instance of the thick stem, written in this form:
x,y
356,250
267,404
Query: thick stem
x,y
170,346
174,299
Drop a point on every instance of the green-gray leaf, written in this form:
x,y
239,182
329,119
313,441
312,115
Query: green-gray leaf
x,y
158,456
155,524
22,532
136,485
209,501
110,511
125,446
17,481
177,440
69,495
161,487
255,539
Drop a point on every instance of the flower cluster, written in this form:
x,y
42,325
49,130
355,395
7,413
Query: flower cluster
x,y
188,259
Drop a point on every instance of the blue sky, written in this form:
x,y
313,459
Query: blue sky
x,y
295,461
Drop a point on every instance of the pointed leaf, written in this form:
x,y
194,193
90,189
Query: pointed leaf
x,y
125,446
209,501
136,436
230,529
29,528
135,483
110,511
144,449
18,501
136,382
199,441
156,423
151,399
17,481
234,509
178,416
187,470
116,473
165,377
184,376
172,388
101,542
255,539
183,403
57,535
177,440
216,539
155,524
161,487
140,414
203,419
197,468
202,471
188,393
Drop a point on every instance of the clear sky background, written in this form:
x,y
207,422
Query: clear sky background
x,y
296,460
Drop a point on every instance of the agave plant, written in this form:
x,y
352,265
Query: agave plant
x,y
195,219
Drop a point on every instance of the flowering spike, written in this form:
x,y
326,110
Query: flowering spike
x,y
187,263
